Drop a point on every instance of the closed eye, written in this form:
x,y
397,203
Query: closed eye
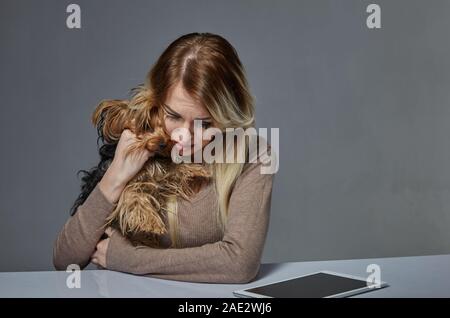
x,y
206,124
173,117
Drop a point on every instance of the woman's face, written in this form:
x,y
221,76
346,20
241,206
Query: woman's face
x,y
180,111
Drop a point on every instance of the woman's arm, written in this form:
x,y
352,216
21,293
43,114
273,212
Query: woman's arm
x,y
79,236
234,259
78,239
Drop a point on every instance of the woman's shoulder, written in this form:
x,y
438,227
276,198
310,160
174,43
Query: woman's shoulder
x,y
260,152
260,157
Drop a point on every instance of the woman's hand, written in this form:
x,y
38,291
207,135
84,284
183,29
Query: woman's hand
x,y
123,167
99,256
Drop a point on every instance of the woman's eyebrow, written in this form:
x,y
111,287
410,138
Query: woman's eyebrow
x,y
205,118
175,113
171,110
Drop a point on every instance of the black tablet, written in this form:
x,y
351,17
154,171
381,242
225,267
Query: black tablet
x,y
324,284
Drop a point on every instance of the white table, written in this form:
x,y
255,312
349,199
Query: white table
x,y
419,276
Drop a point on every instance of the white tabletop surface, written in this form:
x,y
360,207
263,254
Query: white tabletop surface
x,y
418,276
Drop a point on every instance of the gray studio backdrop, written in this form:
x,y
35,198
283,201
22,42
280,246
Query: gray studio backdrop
x,y
364,115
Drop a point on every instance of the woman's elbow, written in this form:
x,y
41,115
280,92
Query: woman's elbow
x,y
244,273
62,262
59,263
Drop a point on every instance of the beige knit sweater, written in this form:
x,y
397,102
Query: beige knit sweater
x,y
206,254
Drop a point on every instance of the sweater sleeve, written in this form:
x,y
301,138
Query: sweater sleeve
x,y
77,240
234,259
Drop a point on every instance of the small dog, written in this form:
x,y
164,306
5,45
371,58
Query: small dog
x,y
140,211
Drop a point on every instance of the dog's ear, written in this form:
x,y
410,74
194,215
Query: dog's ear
x,y
147,122
111,117
149,118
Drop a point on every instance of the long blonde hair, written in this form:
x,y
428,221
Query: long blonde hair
x,y
211,72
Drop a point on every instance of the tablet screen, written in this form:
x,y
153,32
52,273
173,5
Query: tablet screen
x,y
315,285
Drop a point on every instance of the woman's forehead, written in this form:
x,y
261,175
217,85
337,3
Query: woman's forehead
x,y
180,101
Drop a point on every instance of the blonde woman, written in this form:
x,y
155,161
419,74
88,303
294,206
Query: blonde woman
x,y
219,234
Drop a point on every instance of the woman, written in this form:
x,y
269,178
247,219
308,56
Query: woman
x,y
219,234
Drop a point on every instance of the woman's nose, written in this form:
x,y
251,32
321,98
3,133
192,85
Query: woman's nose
x,y
183,134
189,126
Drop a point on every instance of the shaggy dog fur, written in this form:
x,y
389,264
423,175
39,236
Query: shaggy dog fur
x,y
141,209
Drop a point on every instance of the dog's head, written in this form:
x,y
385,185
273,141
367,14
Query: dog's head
x,y
112,117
